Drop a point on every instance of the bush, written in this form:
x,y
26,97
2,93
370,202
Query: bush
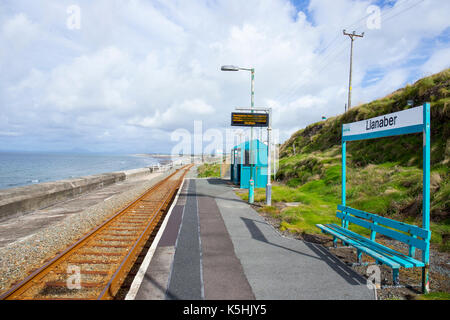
x,y
209,171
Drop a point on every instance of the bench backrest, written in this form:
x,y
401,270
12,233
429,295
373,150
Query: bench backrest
x,y
412,235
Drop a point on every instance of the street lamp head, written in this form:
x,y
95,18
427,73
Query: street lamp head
x,y
229,68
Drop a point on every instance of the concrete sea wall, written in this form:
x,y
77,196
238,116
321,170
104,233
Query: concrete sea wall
x,y
28,198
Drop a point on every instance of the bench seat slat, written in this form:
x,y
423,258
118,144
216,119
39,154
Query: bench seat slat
x,y
401,258
421,244
420,232
354,243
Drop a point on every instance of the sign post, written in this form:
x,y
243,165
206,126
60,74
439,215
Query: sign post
x,y
269,184
412,120
257,120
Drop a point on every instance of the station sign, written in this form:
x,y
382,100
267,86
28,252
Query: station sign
x,y
247,119
402,122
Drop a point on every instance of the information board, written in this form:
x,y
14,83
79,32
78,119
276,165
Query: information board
x,y
244,119
402,122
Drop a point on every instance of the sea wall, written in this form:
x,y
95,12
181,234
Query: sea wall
x,y
37,196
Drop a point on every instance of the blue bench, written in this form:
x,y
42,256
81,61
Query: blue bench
x,y
413,236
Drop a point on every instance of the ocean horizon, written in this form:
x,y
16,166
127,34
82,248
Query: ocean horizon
x,y
19,169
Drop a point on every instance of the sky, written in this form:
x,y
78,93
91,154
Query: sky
x,y
128,76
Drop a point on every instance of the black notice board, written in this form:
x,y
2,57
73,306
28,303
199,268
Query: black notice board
x,y
247,119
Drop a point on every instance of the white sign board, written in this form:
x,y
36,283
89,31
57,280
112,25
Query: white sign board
x,y
382,126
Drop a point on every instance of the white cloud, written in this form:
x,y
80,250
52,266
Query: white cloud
x,y
97,81
9,133
19,32
438,61
175,116
391,81
137,70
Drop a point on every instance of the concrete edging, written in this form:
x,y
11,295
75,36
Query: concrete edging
x,y
28,198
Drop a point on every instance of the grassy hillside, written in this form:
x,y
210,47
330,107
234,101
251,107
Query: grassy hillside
x,y
384,176
323,135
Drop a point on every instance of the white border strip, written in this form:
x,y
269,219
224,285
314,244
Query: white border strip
x,y
131,295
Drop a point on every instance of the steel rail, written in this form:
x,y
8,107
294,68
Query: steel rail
x,y
110,289
112,285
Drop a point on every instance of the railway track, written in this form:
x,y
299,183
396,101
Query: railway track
x,y
95,267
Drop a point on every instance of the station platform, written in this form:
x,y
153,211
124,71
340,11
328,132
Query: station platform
x,y
214,246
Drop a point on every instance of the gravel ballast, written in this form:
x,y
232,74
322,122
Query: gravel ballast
x,y
21,258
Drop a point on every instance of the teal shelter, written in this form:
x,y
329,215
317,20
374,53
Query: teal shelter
x,y
241,164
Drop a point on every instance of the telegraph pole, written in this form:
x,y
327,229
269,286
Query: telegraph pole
x,y
352,37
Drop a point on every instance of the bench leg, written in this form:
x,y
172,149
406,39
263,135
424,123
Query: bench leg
x,y
359,255
335,242
395,277
359,258
425,280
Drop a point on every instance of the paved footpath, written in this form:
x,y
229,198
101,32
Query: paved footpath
x,y
215,246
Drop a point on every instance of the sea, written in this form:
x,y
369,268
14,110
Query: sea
x,y
25,168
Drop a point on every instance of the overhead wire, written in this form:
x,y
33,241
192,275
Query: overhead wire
x,y
330,46
329,57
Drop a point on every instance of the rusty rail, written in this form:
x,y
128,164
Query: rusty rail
x,y
102,258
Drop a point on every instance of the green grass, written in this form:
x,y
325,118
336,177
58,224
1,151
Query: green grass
x,y
434,296
384,176
437,231
384,189
209,171
405,149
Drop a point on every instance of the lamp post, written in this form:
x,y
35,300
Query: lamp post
x,y
251,189
240,133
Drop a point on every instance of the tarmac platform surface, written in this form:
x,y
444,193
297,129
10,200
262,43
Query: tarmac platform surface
x,y
215,246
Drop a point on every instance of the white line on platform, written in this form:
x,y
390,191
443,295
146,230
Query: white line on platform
x,y
131,295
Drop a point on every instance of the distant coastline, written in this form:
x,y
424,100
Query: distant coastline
x,y
154,155
27,168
